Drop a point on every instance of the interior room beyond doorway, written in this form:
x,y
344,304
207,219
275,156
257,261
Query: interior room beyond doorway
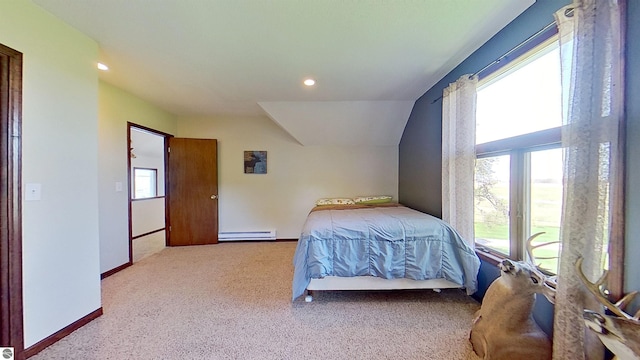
x,y
147,192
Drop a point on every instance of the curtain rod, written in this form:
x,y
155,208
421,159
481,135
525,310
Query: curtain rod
x,y
568,13
516,48
544,30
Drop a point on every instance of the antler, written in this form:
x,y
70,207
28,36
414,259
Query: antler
x,y
598,290
531,247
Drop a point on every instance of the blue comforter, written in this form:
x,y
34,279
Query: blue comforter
x,y
387,242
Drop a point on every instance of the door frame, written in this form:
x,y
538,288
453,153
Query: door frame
x,y
11,304
166,137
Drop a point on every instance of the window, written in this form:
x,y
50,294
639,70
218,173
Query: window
x,y
145,183
518,176
491,213
522,99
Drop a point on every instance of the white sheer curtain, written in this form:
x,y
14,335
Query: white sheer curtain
x,y
458,154
591,51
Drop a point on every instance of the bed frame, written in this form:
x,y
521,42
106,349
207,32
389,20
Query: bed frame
x,y
375,283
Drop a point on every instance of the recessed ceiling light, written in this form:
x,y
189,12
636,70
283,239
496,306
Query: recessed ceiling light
x,y
309,82
102,67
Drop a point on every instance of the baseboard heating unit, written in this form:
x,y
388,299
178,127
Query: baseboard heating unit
x,y
246,235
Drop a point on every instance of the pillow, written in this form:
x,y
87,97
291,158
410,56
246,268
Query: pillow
x,y
378,199
335,201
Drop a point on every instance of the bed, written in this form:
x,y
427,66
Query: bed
x,y
380,246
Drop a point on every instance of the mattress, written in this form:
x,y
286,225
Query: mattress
x,y
389,241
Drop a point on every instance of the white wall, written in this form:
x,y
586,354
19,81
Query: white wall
x,y
296,175
147,215
117,107
61,275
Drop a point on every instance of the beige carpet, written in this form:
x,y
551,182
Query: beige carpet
x,y
232,301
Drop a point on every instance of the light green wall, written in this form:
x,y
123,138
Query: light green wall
x,y
61,278
296,175
117,107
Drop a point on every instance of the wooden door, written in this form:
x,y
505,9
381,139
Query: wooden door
x,y
193,192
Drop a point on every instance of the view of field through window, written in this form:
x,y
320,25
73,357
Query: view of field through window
x,y
542,214
545,206
491,214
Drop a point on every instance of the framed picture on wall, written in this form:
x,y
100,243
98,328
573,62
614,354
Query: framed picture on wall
x,y
255,162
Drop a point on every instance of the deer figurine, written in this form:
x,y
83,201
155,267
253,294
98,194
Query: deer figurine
x,y
619,332
504,327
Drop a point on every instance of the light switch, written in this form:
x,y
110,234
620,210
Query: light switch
x,y
118,186
32,192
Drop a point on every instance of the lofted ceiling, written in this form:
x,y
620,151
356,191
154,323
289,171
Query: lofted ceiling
x,y
371,58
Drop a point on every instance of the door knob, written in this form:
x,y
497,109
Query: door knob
x,y
213,197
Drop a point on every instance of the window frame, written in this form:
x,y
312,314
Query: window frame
x,y
154,185
518,148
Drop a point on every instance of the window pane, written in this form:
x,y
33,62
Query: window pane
x,y
545,207
144,183
492,203
525,100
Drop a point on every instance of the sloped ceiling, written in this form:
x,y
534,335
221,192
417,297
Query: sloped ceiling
x,y
244,57
355,123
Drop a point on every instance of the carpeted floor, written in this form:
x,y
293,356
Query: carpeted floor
x,y
233,301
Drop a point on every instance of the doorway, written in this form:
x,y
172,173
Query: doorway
x,y
147,191
173,191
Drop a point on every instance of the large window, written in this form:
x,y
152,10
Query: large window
x,y
518,179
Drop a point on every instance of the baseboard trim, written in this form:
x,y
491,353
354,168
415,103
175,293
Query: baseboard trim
x,y
52,339
115,270
147,233
285,240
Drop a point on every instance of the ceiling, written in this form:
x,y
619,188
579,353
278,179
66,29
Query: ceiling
x,y
146,144
371,58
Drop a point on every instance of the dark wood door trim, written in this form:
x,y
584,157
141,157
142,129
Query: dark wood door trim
x,y
11,307
129,184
